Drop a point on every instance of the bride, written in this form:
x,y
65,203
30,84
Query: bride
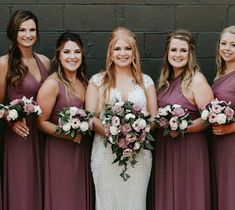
x,y
123,80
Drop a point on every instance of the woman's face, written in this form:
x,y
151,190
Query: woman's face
x,y
178,54
70,56
122,54
227,47
27,34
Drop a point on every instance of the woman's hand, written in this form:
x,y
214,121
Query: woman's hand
x,y
20,128
220,130
78,139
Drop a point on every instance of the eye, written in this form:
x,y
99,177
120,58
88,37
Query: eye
x,y
173,49
223,43
78,51
33,29
66,51
129,48
184,50
21,29
117,48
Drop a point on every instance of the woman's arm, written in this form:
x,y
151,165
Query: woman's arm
x,y
202,95
46,99
92,105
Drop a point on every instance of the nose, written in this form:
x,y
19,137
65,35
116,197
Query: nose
x,y
27,33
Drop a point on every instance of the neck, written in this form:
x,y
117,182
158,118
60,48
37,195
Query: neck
x,y
230,66
123,71
71,75
177,72
26,53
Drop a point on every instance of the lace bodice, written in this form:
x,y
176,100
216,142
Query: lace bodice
x,y
135,95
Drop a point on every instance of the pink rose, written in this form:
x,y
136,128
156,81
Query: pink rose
x,y
216,108
115,121
163,122
123,143
229,113
15,101
212,118
130,138
127,152
81,112
29,108
178,112
125,128
117,108
137,107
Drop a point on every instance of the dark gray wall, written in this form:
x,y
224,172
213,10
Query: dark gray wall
x,y
151,20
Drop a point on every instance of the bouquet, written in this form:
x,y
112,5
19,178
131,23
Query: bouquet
x,y
219,112
127,128
173,118
20,108
73,120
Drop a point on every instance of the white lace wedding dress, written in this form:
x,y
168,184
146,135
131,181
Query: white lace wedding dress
x,y
112,193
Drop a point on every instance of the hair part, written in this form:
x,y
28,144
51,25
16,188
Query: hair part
x,y
17,70
220,63
167,72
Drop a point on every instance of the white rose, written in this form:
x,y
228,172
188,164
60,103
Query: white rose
x,y
13,114
84,126
183,124
73,110
221,119
142,123
38,110
147,129
120,103
173,123
1,113
113,130
204,114
176,106
136,146
75,123
66,127
128,116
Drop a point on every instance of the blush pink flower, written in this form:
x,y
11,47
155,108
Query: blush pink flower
x,y
29,108
178,112
123,143
229,113
127,152
163,122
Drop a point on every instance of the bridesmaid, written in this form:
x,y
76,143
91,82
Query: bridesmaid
x,y
67,174
224,135
22,73
181,163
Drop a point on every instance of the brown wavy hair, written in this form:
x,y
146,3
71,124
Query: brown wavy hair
x,y
109,79
81,71
167,73
220,63
17,70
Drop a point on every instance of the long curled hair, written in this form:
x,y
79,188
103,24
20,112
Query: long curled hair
x,y
109,79
220,63
167,73
81,71
17,70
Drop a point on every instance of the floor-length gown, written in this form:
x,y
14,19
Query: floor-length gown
x,y
23,156
112,193
67,165
224,148
181,164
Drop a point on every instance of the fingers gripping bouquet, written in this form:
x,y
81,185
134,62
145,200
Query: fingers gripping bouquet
x,y
1,110
218,112
173,118
127,128
20,108
73,121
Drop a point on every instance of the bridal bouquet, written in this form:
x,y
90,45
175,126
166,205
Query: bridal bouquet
x,y
219,112
73,120
173,118
127,128
20,108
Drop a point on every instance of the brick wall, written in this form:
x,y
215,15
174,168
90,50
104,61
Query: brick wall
x,y
151,20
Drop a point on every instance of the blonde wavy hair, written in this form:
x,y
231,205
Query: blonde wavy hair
x,y
167,73
109,79
220,63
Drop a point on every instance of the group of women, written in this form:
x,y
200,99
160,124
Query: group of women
x,y
44,169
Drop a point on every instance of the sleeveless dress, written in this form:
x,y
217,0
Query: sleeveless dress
x,y
112,193
23,156
181,164
67,169
224,148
